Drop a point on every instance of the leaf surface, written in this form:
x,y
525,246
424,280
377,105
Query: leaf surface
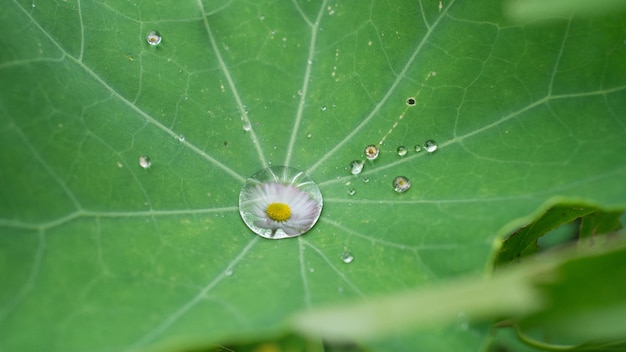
x,y
97,253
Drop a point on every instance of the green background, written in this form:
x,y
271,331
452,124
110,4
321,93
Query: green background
x,y
98,254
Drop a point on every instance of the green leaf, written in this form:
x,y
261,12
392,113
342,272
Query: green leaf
x,y
546,292
97,253
600,223
523,242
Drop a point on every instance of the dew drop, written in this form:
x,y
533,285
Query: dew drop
x,y
371,152
401,184
228,272
145,162
351,191
300,92
347,257
280,202
410,101
309,135
247,126
153,38
356,167
402,150
366,179
418,148
430,146
323,108
181,138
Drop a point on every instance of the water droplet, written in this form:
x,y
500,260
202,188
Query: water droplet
x,y
181,138
410,101
323,108
247,126
402,150
371,152
430,145
401,184
145,162
309,61
228,272
356,167
280,202
347,257
275,147
312,270
300,92
153,38
262,17
309,135
351,191
418,148
366,179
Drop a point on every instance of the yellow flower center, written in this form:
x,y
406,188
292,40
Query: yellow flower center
x,y
278,212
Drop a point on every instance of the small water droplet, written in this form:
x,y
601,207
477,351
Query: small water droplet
x,y
228,272
309,135
300,92
181,138
347,257
430,145
410,101
153,38
275,146
145,162
356,167
247,126
402,150
309,61
312,270
351,191
401,184
366,179
323,108
371,152
418,148
262,17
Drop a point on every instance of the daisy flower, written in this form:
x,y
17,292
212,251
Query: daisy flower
x,y
280,208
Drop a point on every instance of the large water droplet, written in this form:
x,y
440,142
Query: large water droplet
x,y
371,152
401,184
402,150
153,38
430,145
280,202
356,167
145,162
347,257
